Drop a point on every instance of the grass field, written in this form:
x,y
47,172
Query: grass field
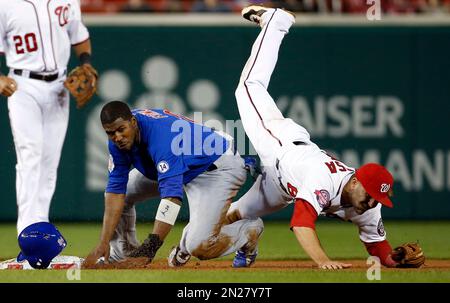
x,y
339,239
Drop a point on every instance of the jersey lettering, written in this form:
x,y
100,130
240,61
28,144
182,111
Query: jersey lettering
x,y
292,190
331,166
63,14
168,112
30,43
333,169
341,166
151,114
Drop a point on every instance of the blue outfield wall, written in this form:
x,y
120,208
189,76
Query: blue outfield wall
x,y
364,93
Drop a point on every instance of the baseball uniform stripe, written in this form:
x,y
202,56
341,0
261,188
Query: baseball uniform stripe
x,y
40,32
51,34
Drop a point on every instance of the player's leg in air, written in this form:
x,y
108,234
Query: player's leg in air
x,y
264,124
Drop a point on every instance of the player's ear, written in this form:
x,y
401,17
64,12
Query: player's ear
x,y
133,122
354,182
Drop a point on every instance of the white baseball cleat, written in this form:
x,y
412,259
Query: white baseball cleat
x,y
177,258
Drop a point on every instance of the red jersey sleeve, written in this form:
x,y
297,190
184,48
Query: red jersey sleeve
x,y
381,250
304,215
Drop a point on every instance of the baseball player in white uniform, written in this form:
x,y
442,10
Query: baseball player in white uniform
x,y
36,38
295,170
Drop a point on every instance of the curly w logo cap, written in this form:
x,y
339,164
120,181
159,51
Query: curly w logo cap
x,y
377,181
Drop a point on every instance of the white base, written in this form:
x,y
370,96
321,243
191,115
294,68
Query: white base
x,y
59,262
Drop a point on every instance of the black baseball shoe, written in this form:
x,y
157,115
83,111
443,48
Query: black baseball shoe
x,y
253,13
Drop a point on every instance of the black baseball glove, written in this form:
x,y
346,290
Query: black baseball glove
x,y
148,248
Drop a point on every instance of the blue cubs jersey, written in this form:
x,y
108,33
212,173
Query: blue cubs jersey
x,y
172,149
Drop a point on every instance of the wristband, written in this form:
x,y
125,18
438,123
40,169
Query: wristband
x,y
85,58
167,211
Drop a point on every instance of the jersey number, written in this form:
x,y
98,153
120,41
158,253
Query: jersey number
x,y
30,43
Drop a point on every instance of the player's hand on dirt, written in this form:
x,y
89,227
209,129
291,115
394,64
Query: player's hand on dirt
x,y
102,250
7,86
334,265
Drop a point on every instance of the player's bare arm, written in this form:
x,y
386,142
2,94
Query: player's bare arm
x,y
83,51
307,237
83,47
114,204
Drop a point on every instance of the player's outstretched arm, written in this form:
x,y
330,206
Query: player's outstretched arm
x,y
307,237
114,204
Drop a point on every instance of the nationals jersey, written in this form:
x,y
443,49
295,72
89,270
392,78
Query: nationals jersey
x,y
36,35
172,149
310,174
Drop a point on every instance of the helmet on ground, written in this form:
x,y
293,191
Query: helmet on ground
x,y
40,243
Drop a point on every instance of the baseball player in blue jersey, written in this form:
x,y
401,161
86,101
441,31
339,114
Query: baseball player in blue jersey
x,y
170,155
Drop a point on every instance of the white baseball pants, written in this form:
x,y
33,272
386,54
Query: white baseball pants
x,y
270,133
39,115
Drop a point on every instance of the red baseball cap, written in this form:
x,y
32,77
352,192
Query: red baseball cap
x,y
377,181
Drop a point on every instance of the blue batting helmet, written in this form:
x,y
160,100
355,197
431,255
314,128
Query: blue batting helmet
x,y
40,243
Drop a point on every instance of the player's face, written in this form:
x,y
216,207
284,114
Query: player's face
x,y
122,133
361,200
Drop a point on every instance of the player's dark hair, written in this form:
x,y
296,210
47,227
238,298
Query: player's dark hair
x,y
115,110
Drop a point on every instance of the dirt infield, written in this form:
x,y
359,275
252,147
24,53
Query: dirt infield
x,y
141,263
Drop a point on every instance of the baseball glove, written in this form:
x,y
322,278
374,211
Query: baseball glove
x,y
408,255
148,248
82,83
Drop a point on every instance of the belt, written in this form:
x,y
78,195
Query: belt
x,y
212,167
299,143
36,76
277,165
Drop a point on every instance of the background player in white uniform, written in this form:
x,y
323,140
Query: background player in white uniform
x,y
294,168
36,37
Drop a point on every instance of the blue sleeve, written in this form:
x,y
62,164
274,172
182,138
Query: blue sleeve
x,y
168,164
171,187
119,167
